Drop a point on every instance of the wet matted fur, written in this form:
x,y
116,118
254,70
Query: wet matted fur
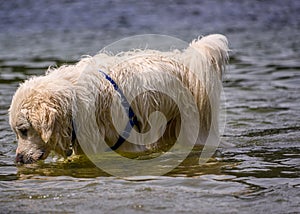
x,y
41,110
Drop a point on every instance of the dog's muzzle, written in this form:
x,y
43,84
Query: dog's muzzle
x,y
26,159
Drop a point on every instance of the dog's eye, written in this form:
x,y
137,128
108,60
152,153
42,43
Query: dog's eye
x,y
23,132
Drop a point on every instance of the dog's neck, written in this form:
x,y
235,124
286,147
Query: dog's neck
x,y
132,119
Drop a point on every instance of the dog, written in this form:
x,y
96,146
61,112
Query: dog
x,y
43,108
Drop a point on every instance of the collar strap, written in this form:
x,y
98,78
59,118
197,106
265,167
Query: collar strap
x,y
130,113
132,119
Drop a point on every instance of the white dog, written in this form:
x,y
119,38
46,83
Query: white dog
x,y
43,108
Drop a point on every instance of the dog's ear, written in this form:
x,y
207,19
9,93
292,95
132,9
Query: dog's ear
x,y
42,117
47,123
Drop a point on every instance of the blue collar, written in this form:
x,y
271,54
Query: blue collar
x,y
132,119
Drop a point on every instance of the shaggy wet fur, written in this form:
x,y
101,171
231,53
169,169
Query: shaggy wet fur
x,y
42,108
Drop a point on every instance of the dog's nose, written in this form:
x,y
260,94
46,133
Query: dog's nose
x,y
41,155
20,158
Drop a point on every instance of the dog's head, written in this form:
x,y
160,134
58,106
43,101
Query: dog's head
x,y
40,116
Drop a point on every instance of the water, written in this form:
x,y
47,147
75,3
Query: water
x,y
259,173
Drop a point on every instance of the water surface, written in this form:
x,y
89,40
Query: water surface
x,y
259,173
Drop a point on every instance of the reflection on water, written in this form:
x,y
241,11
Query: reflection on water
x,y
260,172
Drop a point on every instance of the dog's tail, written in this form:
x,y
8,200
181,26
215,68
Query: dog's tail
x,y
206,59
208,54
